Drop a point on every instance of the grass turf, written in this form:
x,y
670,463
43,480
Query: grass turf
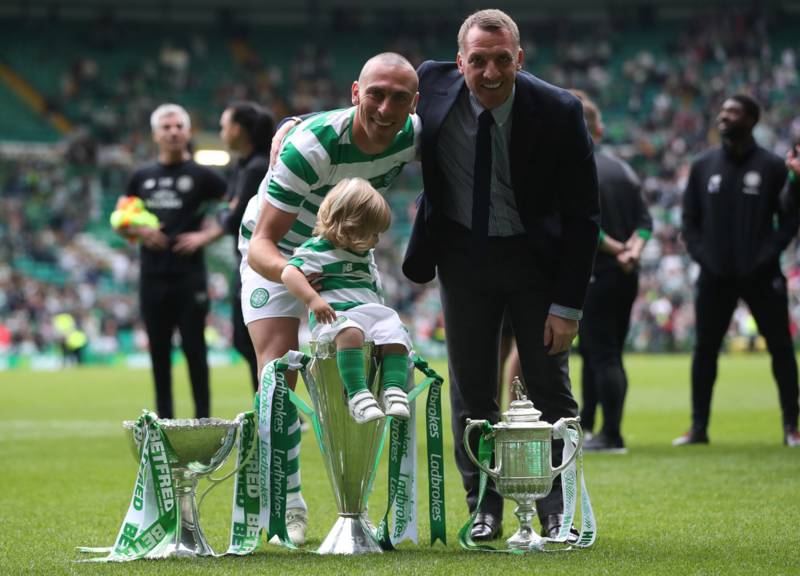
x,y
728,508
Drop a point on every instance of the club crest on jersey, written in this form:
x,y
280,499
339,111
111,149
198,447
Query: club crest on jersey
x,y
184,184
713,183
259,297
752,183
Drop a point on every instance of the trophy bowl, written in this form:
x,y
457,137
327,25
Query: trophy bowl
x,y
199,447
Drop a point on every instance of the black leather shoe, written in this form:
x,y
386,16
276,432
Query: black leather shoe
x,y
486,527
551,525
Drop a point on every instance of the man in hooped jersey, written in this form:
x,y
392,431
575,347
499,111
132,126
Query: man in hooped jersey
x,y
373,140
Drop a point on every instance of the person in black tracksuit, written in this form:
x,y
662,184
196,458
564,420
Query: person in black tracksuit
x,y
625,227
173,290
246,129
737,219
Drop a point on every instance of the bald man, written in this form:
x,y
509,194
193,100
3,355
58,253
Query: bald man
x,y
373,140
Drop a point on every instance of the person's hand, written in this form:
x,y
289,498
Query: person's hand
x,y
322,310
628,261
152,238
559,333
189,242
277,140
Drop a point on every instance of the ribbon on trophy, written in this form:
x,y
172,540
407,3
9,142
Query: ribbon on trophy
x,y
403,466
152,517
259,500
573,479
573,488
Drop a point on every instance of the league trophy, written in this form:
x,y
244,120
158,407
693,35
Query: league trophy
x,y
198,448
349,449
523,469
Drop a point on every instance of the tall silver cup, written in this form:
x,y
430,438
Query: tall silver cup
x,y
200,447
349,449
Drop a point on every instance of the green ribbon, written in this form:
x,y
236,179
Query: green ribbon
x,y
260,488
398,446
273,450
154,488
485,451
245,529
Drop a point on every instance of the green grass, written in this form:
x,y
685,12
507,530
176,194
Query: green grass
x,y
728,508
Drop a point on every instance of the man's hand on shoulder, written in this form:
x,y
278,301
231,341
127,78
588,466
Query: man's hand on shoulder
x,y
277,139
559,333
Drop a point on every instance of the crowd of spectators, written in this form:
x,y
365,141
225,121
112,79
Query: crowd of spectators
x,y
659,98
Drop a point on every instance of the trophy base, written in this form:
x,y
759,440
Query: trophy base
x,y
529,541
189,540
350,535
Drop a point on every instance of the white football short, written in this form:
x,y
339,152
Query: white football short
x,y
380,325
262,298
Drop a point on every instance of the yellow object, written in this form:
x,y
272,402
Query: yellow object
x,y
130,211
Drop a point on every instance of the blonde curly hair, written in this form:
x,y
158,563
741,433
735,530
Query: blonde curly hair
x,y
351,214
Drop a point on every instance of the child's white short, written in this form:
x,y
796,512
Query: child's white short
x,y
380,325
262,298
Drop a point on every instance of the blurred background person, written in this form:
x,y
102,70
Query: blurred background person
x,y
246,130
737,220
625,227
173,284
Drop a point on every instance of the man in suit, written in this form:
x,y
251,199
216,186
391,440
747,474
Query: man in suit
x,y
509,219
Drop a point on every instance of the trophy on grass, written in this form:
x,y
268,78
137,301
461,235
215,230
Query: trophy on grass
x,y
196,448
349,449
523,469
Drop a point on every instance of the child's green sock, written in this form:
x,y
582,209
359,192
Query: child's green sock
x,y
351,368
395,371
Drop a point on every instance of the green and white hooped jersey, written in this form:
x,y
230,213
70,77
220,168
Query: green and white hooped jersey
x,y
347,279
318,154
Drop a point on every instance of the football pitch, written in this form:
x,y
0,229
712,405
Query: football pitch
x,y
732,507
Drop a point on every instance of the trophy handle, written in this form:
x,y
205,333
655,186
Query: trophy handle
x,y
569,423
494,474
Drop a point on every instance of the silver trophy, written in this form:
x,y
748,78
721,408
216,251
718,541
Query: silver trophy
x,y
200,447
349,449
523,469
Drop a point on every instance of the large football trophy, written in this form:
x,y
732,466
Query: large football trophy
x,y
523,469
349,449
198,448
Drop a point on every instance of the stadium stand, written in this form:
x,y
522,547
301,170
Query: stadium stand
x,y
659,87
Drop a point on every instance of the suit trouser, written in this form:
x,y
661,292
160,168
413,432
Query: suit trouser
x,y
169,302
475,293
605,324
765,294
241,337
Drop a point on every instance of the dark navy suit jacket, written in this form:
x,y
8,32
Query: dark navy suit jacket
x,y
552,172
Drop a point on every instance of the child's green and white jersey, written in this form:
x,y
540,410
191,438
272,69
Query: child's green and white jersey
x,y
346,279
317,154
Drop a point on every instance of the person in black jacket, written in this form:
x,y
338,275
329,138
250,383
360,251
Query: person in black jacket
x,y
625,227
509,219
173,287
737,219
246,129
